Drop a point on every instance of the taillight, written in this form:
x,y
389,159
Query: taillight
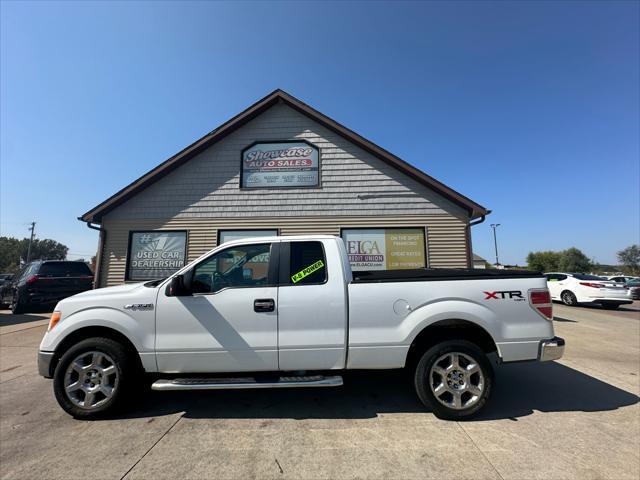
x,y
540,300
592,285
32,279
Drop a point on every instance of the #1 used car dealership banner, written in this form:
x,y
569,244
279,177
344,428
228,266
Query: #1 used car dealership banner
x,y
155,254
285,164
385,248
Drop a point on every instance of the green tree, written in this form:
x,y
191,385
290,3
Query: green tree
x,y
573,260
547,261
45,249
9,255
13,252
630,258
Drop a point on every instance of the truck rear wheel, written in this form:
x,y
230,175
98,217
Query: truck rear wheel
x,y
93,377
454,378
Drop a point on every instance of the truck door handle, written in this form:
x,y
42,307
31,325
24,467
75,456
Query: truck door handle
x,y
264,305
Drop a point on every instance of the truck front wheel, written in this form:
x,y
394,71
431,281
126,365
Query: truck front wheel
x,y
92,378
454,378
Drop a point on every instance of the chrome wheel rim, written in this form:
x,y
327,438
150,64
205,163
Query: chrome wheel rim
x,y
567,298
91,380
456,380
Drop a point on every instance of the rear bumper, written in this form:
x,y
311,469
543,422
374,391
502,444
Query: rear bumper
x,y
622,297
45,359
619,301
551,349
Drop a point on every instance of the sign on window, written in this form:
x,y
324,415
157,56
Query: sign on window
x,y
385,248
276,165
155,254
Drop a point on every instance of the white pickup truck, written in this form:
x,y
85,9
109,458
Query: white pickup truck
x,y
289,312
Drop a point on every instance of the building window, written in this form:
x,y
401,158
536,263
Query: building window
x,y
228,235
155,254
385,248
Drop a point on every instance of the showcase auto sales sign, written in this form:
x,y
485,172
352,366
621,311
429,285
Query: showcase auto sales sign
x,y
283,164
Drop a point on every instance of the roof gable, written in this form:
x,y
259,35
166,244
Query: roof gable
x,y
169,165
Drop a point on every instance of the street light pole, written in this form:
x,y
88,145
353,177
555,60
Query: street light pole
x,y
495,241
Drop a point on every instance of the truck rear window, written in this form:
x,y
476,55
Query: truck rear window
x,y
308,264
64,269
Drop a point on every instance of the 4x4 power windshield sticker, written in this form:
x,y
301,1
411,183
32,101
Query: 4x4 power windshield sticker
x,y
307,271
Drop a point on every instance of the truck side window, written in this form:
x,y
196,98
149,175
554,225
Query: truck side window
x,y
308,265
241,266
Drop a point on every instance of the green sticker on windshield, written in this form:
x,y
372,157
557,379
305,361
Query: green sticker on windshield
x,y
307,271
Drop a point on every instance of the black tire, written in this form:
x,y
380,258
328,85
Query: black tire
x,y
422,379
19,305
126,369
569,299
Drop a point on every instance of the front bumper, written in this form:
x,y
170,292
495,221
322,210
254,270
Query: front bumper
x,y
44,364
551,349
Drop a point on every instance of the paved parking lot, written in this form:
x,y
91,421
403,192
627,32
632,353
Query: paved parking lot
x,y
576,418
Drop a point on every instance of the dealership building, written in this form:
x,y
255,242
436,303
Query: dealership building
x,y
281,167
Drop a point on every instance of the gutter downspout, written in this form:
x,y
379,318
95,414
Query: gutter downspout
x,y
471,224
101,242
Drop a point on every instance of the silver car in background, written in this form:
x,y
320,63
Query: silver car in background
x,y
633,287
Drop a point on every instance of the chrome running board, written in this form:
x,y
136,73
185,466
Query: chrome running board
x,y
246,382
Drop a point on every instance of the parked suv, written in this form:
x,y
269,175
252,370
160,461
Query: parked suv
x,y
45,282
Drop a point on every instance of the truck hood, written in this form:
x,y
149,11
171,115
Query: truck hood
x,y
109,291
110,297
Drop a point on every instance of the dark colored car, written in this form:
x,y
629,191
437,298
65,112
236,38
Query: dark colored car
x,y
5,282
5,276
634,289
44,282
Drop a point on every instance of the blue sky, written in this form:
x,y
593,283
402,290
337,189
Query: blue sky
x,y
529,108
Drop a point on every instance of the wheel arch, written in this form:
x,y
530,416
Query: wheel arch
x,y
84,333
450,329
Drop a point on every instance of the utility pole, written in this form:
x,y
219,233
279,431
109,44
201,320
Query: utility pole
x,y
33,232
495,241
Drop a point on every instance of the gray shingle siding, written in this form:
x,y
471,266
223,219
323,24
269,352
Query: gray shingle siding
x,y
353,182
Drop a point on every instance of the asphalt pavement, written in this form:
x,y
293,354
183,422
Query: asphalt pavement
x,y
575,418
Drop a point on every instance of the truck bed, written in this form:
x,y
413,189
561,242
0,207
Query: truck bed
x,y
439,274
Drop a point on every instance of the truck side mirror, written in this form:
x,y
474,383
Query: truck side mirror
x,y
176,287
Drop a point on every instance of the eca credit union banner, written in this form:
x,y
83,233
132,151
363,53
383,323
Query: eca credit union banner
x,y
285,164
385,248
156,254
